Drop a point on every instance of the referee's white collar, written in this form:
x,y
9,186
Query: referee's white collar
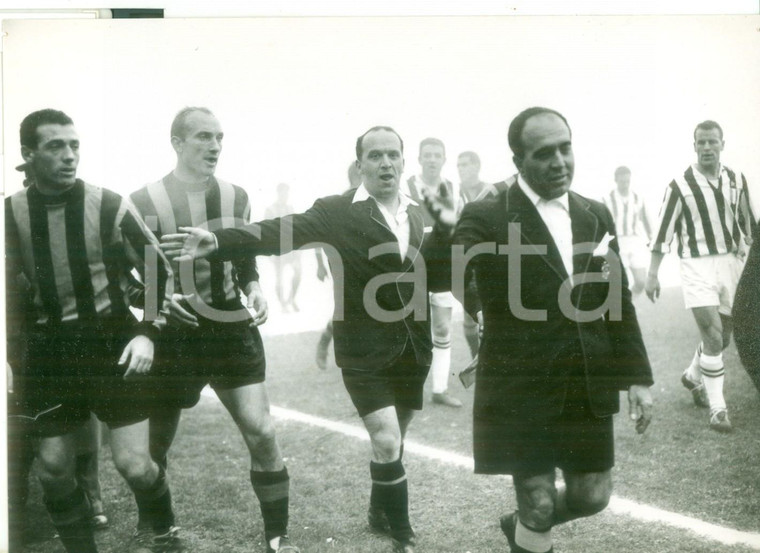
x,y
362,194
535,198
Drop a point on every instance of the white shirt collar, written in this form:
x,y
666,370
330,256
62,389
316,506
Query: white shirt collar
x,y
535,198
363,194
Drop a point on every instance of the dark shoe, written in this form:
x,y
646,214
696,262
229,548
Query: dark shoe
x,y
284,547
720,423
445,399
697,389
142,541
405,546
170,542
378,520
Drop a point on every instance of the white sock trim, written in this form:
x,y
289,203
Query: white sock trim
x,y
536,542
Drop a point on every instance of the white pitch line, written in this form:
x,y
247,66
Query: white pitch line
x,y
618,505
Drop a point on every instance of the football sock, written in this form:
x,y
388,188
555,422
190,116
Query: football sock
x,y
154,505
272,490
70,515
693,370
390,493
532,540
713,374
440,366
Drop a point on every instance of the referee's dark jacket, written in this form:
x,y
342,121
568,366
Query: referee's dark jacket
x,y
524,364
365,261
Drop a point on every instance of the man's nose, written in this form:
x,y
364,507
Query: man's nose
x,y
69,153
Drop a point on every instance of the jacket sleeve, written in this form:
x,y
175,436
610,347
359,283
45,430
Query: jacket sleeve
x,y
471,230
277,236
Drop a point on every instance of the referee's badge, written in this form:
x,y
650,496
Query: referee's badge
x,y
601,251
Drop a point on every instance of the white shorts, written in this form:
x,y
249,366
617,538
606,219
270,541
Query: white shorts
x,y
633,252
711,281
442,299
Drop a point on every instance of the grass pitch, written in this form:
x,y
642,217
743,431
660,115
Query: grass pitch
x,y
679,465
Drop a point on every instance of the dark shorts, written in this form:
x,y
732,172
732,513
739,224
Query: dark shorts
x,y
399,384
71,371
576,441
226,355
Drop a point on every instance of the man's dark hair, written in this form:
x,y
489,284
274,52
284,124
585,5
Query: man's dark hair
x,y
472,156
179,125
622,170
431,141
707,126
360,146
514,135
28,129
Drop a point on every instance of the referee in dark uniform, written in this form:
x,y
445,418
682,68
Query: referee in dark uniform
x,y
76,244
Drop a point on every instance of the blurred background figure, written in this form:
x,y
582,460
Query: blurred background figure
x,y
286,285
633,229
432,158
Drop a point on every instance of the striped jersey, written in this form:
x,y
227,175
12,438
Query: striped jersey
x,y
416,185
168,204
707,218
627,212
77,251
493,190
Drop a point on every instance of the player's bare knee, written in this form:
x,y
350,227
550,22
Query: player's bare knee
x,y
259,429
539,512
138,470
386,445
536,503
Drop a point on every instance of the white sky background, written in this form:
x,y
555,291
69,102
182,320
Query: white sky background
x,y
292,94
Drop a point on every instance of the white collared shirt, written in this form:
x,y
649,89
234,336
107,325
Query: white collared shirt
x,y
556,215
398,222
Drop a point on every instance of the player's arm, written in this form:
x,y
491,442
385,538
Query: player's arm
x,y
670,213
142,252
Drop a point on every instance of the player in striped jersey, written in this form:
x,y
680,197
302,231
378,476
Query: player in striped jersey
x,y
432,157
211,338
630,217
707,211
75,244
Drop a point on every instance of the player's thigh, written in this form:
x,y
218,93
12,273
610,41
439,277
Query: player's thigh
x,y
130,446
248,405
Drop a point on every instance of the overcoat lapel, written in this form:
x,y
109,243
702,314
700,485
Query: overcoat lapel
x,y
416,235
585,227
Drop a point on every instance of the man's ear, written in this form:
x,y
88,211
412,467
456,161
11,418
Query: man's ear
x,y
27,153
518,162
177,143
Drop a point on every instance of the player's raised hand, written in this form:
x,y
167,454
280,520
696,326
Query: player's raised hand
x,y
441,205
188,243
